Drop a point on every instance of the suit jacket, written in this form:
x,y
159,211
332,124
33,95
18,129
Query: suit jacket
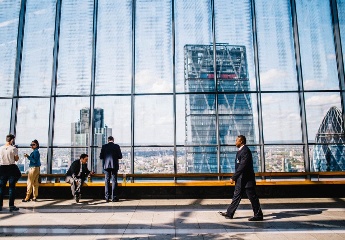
x,y
74,170
111,153
244,172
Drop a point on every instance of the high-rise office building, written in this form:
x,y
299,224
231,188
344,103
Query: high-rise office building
x,y
80,135
329,154
233,108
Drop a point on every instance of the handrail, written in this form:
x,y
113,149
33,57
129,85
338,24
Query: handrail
x,y
192,176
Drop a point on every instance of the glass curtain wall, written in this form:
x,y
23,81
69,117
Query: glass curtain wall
x,y
175,82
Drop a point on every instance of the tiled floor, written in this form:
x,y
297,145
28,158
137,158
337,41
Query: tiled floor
x,y
173,219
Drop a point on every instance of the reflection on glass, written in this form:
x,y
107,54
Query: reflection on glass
x,y
234,26
284,158
32,120
193,25
154,160
62,159
114,47
317,107
275,45
37,62
9,12
228,158
75,48
5,110
317,45
117,117
281,118
153,46
71,126
153,121
23,163
341,16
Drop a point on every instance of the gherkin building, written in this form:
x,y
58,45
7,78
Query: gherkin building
x,y
329,151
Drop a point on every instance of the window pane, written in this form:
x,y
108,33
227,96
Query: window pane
x,y
234,26
201,159
114,47
281,118
328,157
236,117
62,158
23,163
125,162
200,119
193,25
5,119
71,127
321,109
116,118
154,160
75,47
37,62
153,46
228,158
9,16
284,158
275,45
317,45
32,121
341,16
153,120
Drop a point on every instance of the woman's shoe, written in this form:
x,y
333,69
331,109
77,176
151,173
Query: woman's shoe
x,y
34,200
26,200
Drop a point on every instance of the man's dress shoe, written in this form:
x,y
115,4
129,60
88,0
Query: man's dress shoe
x,y
256,218
226,215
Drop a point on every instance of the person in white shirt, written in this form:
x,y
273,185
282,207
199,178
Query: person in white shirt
x,y
9,171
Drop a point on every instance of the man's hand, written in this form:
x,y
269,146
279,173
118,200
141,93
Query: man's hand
x,y
232,181
92,173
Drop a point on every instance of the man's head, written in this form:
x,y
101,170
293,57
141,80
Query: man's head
x,y
240,141
83,158
110,139
10,138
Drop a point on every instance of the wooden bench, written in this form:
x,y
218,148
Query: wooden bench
x,y
197,179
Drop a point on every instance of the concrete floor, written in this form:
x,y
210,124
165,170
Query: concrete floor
x,y
302,218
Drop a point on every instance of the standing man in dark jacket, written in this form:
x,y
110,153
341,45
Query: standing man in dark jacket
x,y
244,177
76,175
110,154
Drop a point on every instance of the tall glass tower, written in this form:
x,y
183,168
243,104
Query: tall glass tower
x,y
329,154
234,112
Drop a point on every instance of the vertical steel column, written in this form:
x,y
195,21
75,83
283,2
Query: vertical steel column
x,y
174,81
53,88
92,147
258,86
300,87
339,54
133,86
215,84
16,82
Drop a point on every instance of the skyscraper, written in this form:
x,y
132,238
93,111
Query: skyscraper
x,y
80,135
234,112
329,151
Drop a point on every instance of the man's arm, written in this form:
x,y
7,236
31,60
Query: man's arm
x,y
16,157
243,164
101,155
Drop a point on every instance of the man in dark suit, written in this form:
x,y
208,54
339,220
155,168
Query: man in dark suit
x,y
77,174
244,177
110,154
